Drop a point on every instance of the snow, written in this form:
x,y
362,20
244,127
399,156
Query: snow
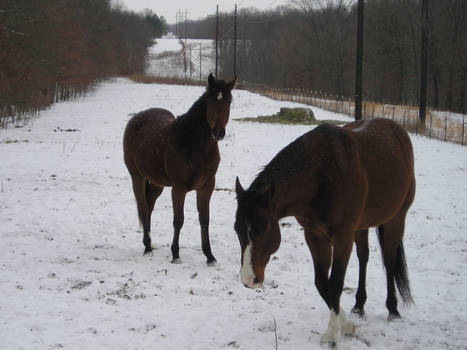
x,y
74,275
167,58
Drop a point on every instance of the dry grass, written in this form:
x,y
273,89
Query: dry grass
x,y
151,79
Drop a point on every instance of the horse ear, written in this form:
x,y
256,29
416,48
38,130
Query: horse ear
x,y
231,85
238,187
211,80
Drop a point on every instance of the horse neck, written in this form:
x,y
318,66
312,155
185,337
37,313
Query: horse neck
x,y
290,191
192,129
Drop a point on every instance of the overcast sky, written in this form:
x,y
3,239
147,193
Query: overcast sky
x,y
196,9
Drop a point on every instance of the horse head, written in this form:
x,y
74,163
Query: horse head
x,y
258,231
218,100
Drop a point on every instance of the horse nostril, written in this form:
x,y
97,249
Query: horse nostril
x,y
255,281
218,134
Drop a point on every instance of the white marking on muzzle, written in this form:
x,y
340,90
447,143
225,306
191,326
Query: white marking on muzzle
x,y
246,273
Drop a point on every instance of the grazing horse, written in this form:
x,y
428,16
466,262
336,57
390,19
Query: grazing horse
x,y
337,182
161,150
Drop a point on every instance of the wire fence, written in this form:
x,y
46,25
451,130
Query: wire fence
x,y
445,126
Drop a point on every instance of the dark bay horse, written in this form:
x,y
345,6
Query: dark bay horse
x,y
161,150
337,182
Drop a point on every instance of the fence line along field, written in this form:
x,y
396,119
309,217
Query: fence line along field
x,y
441,125
73,272
169,59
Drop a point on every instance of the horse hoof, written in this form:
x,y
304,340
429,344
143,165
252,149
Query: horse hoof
x,y
394,316
358,311
176,261
329,339
147,250
348,328
211,262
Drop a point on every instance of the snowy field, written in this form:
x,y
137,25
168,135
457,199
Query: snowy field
x,y
74,275
167,58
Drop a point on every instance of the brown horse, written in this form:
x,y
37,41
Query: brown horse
x,y
161,150
337,182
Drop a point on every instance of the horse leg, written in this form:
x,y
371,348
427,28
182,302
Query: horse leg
x,y
342,247
178,202
321,252
361,242
152,193
390,237
139,189
203,197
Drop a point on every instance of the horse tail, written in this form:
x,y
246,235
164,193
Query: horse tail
x,y
400,269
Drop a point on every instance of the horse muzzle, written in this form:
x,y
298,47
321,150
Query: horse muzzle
x,y
252,284
218,134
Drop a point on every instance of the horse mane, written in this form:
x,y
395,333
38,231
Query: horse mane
x,y
286,165
198,109
187,126
293,161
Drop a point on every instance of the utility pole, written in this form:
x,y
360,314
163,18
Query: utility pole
x,y
186,25
359,63
200,62
235,42
217,36
191,68
423,63
179,24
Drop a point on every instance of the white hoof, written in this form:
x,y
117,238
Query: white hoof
x,y
347,327
338,324
176,261
332,333
328,338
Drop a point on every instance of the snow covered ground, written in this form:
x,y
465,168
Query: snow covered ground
x,y
73,274
167,58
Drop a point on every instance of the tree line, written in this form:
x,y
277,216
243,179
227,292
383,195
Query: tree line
x,y
49,48
313,46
